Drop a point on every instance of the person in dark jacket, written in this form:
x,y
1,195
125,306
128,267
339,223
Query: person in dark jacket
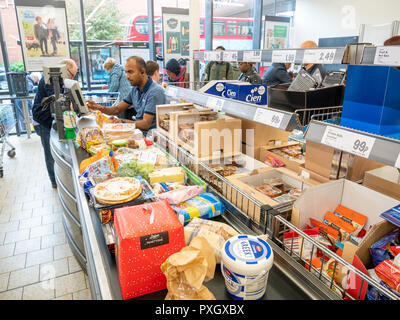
x,y
44,116
41,35
176,74
316,70
248,73
277,74
218,70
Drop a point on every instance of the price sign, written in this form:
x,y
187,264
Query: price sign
x,y
389,56
212,55
230,56
283,56
268,117
326,56
347,141
252,56
215,103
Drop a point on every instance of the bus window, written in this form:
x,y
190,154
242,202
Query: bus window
x,y
142,26
231,28
219,28
245,29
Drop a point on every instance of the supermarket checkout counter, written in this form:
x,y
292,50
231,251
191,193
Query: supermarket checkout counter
x,y
85,236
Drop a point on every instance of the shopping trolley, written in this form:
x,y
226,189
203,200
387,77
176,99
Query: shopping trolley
x,y
106,99
7,123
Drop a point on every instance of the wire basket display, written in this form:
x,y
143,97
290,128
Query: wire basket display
x,y
105,99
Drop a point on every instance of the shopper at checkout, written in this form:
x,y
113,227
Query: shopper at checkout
x,y
248,73
176,74
277,74
316,70
218,70
145,95
153,70
44,118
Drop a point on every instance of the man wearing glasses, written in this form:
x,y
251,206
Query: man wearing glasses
x,y
44,118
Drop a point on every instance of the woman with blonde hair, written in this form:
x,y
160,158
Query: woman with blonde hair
x,y
117,81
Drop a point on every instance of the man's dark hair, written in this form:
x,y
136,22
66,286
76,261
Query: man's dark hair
x,y
151,67
139,62
393,41
220,47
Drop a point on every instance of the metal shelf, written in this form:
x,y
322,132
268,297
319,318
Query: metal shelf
x,y
298,56
267,116
381,55
374,147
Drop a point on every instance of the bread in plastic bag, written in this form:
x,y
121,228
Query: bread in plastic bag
x,y
215,232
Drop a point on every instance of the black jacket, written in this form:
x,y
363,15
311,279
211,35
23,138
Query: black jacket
x,y
276,74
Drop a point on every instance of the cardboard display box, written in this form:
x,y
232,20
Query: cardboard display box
x,y
208,133
385,180
246,181
246,92
317,201
322,160
168,111
291,163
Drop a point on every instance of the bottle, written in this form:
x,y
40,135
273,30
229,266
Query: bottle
x,y
69,125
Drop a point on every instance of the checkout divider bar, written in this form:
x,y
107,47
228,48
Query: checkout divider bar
x,y
272,117
101,289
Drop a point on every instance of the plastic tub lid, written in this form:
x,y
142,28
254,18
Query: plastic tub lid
x,y
249,250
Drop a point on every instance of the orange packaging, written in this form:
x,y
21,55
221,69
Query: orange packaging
x,y
330,232
356,219
339,224
389,273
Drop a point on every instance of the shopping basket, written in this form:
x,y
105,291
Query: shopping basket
x,y
106,99
7,123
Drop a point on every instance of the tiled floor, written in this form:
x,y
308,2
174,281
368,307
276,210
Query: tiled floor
x,y
35,259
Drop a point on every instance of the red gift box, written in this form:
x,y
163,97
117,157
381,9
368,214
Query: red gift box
x,y
146,236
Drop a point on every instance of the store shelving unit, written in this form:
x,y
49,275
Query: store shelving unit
x,y
273,117
374,147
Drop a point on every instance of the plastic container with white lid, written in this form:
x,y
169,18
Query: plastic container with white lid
x,y
245,264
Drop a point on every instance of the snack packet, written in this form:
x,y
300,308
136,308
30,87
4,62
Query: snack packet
x,y
381,250
389,273
181,195
350,216
345,228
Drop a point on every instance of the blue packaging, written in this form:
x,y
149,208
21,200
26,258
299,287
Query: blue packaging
x,y
380,250
256,94
372,100
216,88
205,206
392,215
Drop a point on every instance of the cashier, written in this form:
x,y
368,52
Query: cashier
x,y
144,96
316,70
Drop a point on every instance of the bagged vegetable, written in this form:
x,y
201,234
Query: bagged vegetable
x,y
133,169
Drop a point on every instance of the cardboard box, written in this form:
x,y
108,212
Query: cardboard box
x,y
163,110
246,181
220,136
360,256
384,180
217,87
290,163
309,174
315,202
246,92
325,161
146,235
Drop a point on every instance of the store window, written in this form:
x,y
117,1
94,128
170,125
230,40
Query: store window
x,y
219,28
231,28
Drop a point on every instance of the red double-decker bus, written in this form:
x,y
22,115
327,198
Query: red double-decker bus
x,y
232,33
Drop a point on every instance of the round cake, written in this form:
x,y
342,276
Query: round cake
x,y
117,190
